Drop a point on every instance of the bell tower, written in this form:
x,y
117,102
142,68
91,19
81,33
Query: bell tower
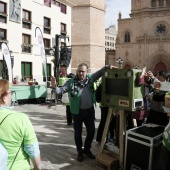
x,y
88,34
137,5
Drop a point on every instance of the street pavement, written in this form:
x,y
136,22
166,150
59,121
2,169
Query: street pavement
x,y
56,138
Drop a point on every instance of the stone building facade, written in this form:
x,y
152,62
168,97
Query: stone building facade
x,y
110,57
110,37
88,34
144,38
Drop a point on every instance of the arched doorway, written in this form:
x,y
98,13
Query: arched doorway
x,y
127,66
160,66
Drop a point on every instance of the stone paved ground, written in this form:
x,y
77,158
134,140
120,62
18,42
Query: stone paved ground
x,y
56,138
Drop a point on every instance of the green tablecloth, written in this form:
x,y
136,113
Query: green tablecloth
x,y
22,92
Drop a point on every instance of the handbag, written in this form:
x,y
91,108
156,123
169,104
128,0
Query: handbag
x,y
65,98
5,148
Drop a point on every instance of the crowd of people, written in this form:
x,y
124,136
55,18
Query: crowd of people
x,y
81,92
20,144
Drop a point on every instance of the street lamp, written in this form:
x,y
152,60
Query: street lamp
x,y
136,67
57,52
120,62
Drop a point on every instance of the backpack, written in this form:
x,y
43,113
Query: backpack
x,y
98,94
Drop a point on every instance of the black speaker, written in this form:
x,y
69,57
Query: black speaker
x,y
142,147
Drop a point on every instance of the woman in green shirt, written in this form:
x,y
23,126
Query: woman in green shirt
x,y
17,134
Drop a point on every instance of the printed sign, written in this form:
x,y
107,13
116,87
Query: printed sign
x,y
124,103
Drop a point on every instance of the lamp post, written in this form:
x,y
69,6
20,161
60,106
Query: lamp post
x,y
57,51
120,62
136,67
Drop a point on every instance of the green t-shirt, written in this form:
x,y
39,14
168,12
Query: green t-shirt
x,y
16,129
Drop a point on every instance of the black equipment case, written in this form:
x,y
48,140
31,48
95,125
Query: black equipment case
x,y
142,147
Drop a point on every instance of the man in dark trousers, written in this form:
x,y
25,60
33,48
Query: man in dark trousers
x,y
82,99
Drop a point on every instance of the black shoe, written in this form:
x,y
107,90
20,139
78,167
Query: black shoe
x,y
80,157
89,154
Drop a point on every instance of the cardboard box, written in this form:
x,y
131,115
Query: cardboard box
x,y
167,100
106,162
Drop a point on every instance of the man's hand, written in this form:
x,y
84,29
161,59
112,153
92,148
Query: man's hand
x,y
113,67
150,74
53,82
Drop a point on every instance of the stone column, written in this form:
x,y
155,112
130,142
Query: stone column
x,y
88,34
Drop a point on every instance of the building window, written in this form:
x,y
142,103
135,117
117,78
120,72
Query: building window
x,y
26,70
55,3
48,73
47,25
47,46
63,8
63,28
47,3
3,12
161,2
167,2
26,43
127,37
107,43
153,3
26,19
3,36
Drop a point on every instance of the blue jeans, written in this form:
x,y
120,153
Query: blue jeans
x,y
87,117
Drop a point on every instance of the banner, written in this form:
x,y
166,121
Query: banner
x,y
39,37
7,57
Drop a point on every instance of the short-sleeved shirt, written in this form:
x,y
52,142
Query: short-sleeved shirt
x,y
16,129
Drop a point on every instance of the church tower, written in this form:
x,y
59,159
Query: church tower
x,y
88,34
144,38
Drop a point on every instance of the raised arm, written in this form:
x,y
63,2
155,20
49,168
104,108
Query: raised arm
x,y
98,74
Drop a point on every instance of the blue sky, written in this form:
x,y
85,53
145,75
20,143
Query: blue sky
x,y
113,7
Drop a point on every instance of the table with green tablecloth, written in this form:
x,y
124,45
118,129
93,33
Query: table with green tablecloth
x,y
26,92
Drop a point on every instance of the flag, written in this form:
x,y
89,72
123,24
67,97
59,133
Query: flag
x,y
7,57
39,37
